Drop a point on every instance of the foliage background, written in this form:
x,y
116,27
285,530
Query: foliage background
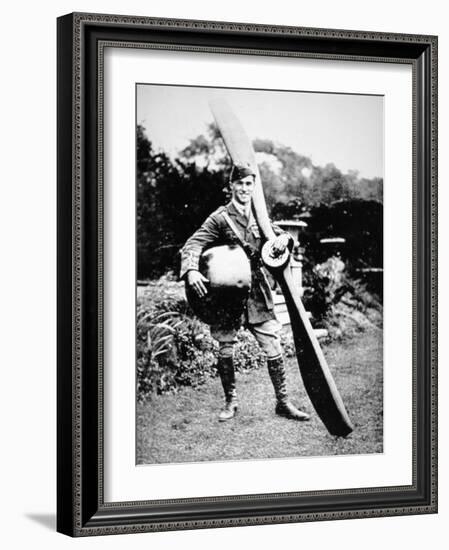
x,y
174,196
29,506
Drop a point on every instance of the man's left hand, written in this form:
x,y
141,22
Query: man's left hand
x,y
280,243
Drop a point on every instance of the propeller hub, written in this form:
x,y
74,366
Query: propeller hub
x,y
272,259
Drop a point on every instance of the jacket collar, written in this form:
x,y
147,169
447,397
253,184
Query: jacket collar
x,y
236,215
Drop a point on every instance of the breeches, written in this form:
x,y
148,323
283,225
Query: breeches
x,y
266,334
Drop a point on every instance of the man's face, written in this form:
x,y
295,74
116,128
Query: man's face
x,y
242,190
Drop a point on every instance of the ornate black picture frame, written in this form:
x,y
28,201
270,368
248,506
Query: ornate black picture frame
x,y
81,509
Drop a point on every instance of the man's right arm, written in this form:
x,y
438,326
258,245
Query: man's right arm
x,y
204,237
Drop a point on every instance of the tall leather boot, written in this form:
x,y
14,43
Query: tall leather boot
x,y
276,369
226,371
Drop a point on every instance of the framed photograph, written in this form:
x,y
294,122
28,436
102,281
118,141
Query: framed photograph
x,y
247,279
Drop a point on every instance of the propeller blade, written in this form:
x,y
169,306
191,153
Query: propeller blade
x,y
316,375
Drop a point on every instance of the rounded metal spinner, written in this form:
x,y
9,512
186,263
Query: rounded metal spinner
x,y
229,273
272,259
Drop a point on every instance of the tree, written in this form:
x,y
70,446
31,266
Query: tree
x,y
173,198
207,151
175,195
358,221
283,172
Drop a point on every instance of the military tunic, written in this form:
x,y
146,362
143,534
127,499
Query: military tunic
x,y
216,231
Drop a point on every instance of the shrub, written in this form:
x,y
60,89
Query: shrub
x,y
247,353
174,348
316,295
339,303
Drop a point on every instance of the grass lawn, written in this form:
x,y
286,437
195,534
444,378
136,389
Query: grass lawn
x,y
184,427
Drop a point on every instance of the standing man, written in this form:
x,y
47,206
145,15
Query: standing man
x,y
231,224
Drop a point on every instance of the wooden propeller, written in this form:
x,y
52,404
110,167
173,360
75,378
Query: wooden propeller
x,y
317,377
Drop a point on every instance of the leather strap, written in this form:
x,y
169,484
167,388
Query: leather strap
x,y
252,252
234,228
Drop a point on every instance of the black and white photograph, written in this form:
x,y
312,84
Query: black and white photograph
x,y
222,221
247,276
259,260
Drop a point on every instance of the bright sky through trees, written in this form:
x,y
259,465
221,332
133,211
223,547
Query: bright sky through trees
x,y
343,129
